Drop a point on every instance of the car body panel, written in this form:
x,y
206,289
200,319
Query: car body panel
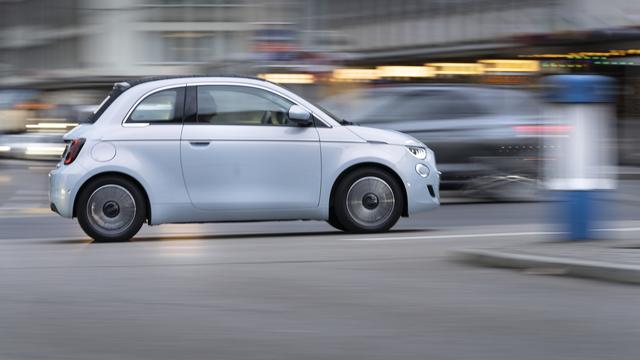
x,y
254,173
387,136
229,167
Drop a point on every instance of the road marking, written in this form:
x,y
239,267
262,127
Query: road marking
x,y
20,205
453,236
21,212
25,198
32,192
25,202
460,236
619,229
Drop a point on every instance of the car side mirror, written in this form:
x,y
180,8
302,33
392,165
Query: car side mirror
x,y
300,116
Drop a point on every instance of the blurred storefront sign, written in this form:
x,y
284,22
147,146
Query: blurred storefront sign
x,y
288,78
457,68
507,80
275,45
510,65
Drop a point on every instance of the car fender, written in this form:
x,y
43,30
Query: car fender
x,y
111,169
356,154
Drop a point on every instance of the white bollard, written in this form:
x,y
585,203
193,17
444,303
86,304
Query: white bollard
x,y
580,161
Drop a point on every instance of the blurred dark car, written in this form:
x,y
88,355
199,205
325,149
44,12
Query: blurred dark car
x,y
486,139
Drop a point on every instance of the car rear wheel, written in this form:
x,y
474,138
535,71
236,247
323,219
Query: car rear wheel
x,y
368,200
111,209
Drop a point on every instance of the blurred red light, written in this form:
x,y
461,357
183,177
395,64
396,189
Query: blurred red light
x,y
542,129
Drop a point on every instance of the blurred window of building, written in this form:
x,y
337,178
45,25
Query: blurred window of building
x,y
194,48
40,13
239,105
195,10
184,47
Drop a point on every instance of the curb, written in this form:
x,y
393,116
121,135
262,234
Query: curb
x,y
539,264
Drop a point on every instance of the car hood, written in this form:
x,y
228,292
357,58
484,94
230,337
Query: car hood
x,y
385,136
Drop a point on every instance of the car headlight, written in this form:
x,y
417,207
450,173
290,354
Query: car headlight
x,y
417,151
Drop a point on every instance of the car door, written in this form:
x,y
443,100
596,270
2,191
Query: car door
x,y
148,142
240,151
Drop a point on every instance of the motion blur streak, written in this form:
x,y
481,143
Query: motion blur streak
x,y
526,163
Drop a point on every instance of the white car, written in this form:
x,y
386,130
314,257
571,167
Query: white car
x,y
216,149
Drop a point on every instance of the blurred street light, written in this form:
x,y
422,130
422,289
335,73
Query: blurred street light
x,y
503,65
39,150
405,71
352,74
288,78
457,68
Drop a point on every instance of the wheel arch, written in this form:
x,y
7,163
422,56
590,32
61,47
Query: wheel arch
x,y
390,171
117,174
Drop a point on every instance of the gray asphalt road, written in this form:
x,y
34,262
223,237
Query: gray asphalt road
x,y
300,290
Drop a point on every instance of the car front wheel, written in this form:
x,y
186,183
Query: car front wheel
x,y
111,209
368,200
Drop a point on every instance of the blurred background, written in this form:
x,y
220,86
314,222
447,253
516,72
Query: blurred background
x,y
465,74
466,77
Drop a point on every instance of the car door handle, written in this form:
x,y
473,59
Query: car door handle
x,y
199,143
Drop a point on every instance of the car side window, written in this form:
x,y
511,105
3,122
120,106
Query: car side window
x,y
161,107
241,105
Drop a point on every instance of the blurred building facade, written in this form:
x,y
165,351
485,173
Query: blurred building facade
x,y
387,29
66,38
77,38
67,41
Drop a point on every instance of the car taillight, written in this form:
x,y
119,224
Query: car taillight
x,y
73,150
542,129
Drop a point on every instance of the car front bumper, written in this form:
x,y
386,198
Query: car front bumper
x,y
423,193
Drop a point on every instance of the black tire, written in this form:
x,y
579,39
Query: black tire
x,y
333,221
387,200
115,194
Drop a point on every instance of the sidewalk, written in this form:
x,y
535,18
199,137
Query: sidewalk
x,y
609,260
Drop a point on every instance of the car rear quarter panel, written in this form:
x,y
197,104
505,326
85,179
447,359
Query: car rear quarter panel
x,y
154,162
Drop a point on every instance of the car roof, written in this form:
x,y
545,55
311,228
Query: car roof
x,y
182,78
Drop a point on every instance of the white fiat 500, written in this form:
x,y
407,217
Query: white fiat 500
x,y
214,149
